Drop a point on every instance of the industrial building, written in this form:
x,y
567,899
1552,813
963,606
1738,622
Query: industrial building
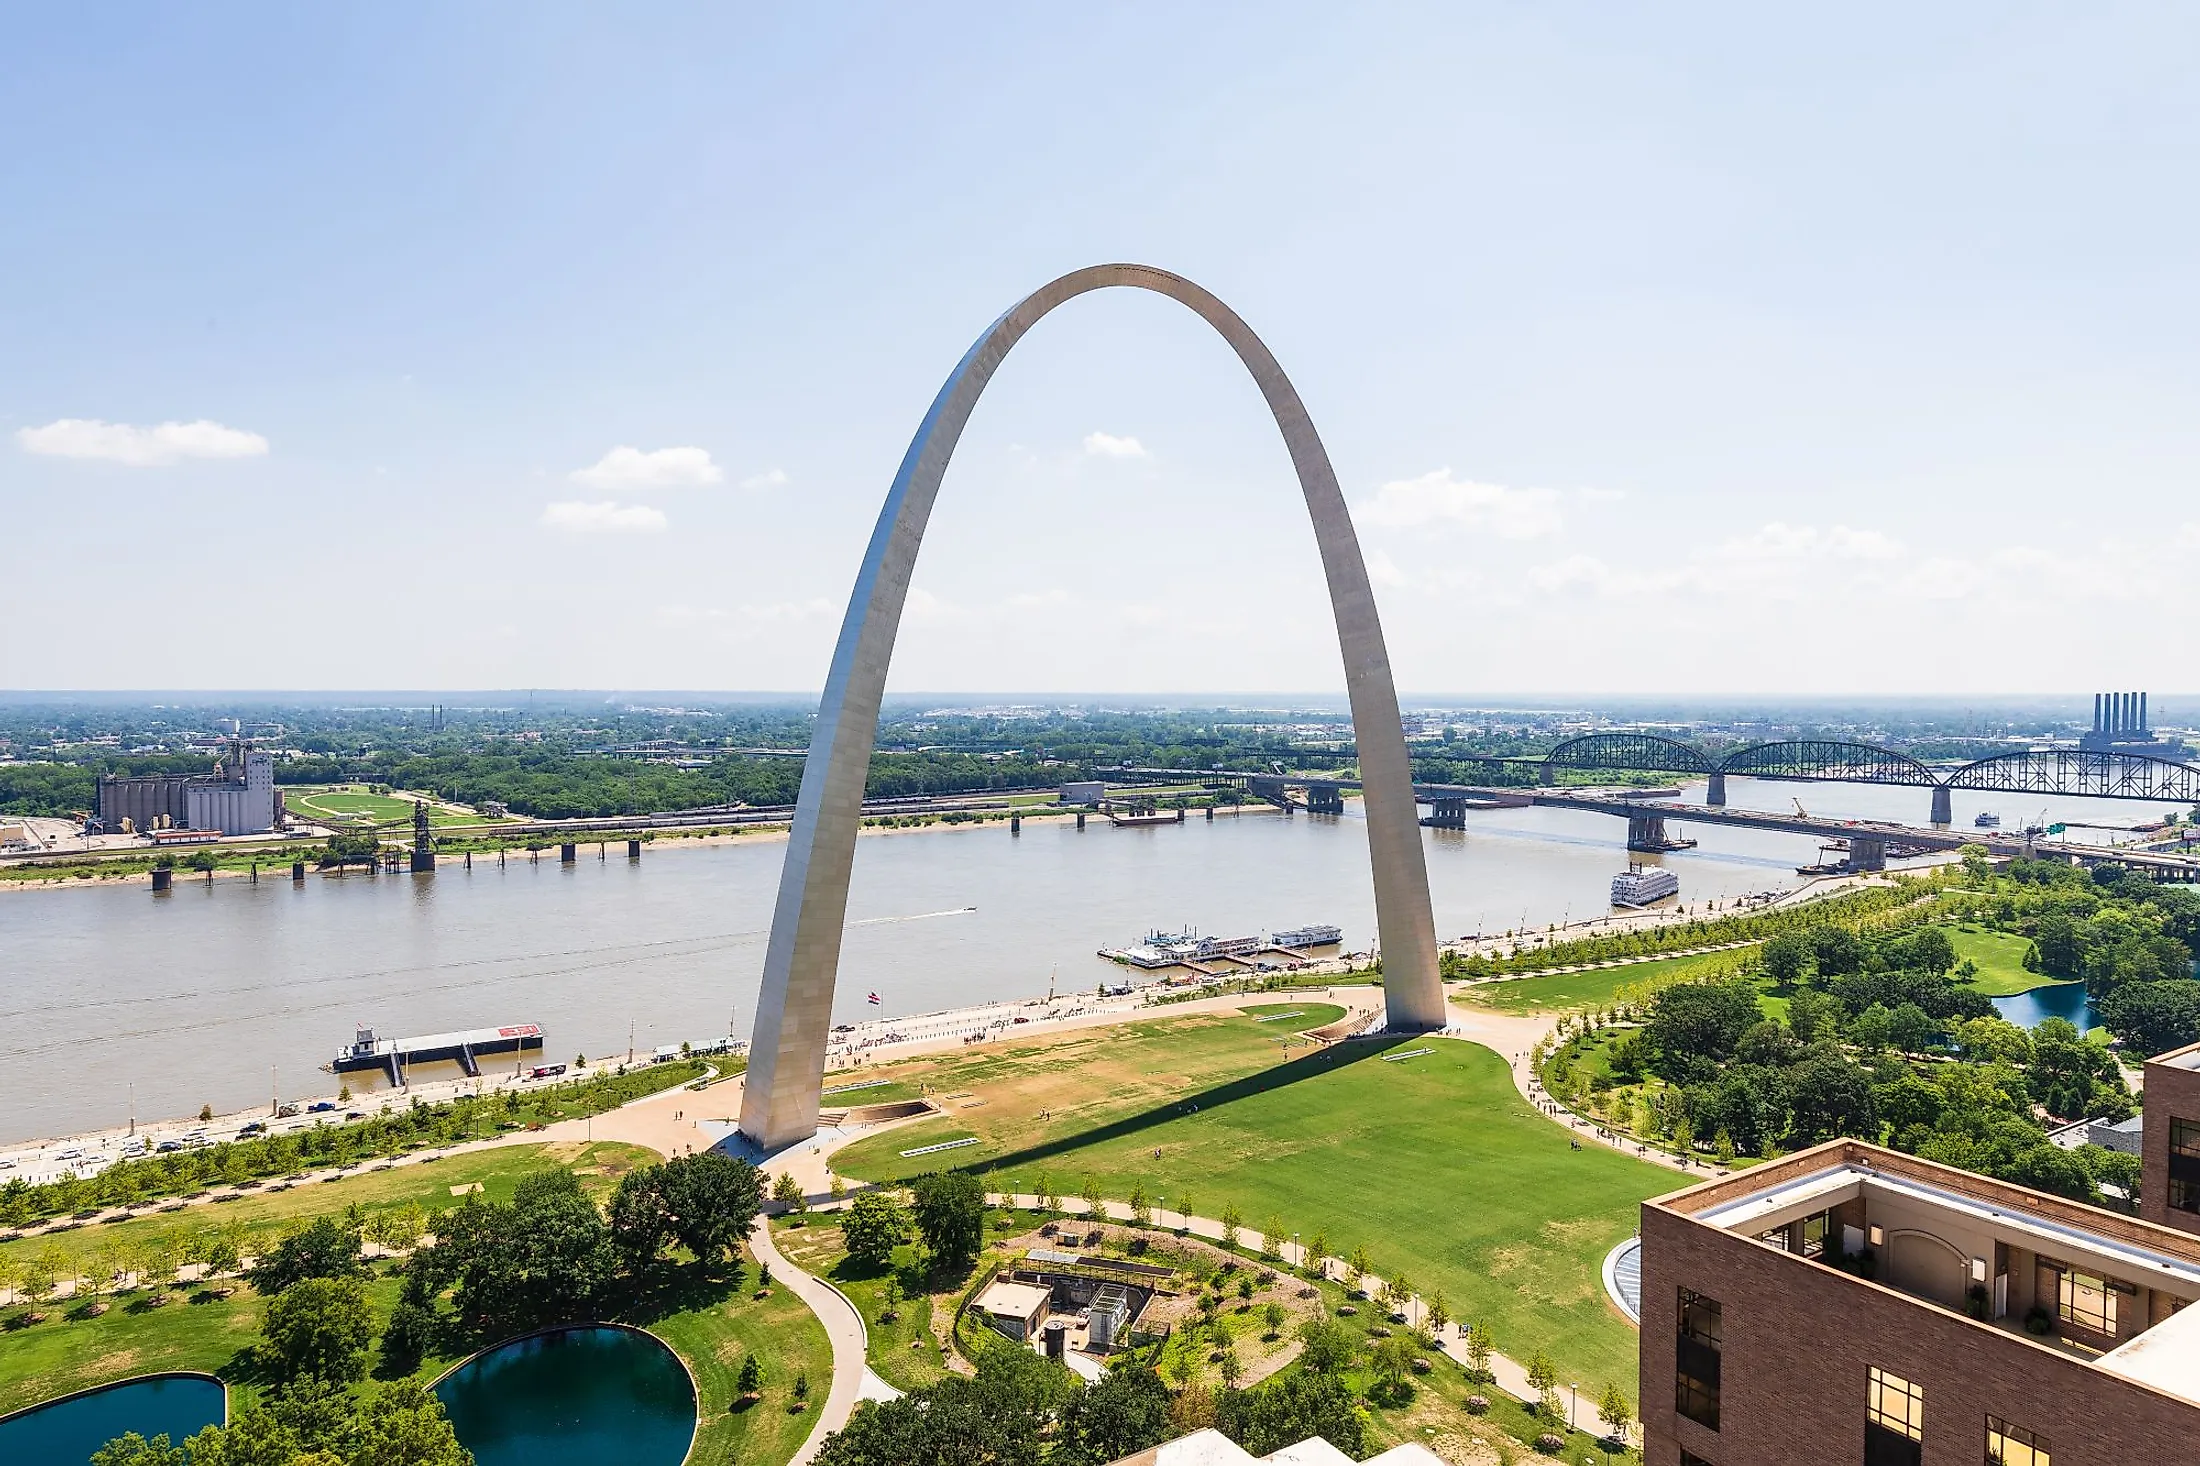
x,y
2121,725
238,798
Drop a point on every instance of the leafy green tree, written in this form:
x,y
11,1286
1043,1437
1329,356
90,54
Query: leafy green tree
x,y
1616,1411
711,1201
1481,1345
1141,1204
2154,1017
319,1327
1090,1193
1831,1096
323,1248
545,1257
1696,1027
1273,1314
751,1379
135,1450
1290,1408
1233,1220
1123,1414
407,1338
787,1192
1787,958
1326,1347
873,1225
950,1213
1835,951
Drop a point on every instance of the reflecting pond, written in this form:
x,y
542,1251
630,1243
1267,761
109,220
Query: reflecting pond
x,y
2056,1000
583,1396
66,1432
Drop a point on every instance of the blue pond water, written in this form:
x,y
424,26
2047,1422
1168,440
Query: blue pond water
x,y
66,1433
587,1396
2057,1000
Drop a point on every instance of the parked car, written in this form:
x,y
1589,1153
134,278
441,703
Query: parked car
x,y
321,1107
252,1127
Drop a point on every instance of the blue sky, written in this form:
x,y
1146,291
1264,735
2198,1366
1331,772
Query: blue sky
x,y
1678,349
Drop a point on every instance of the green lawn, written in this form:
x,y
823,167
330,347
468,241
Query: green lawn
x,y
817,1248
1564,991
350,802
714,1324
1434,1164
2000,960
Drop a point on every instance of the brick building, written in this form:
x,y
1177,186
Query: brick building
x,y
2169,1147
1850,1304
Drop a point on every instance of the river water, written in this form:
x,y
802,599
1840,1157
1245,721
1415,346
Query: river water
x,y
194,996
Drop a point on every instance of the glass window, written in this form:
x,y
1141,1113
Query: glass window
x,y
2087,1301
1897,1404
1814,1234
2013,1445
1696,1359
2184,1164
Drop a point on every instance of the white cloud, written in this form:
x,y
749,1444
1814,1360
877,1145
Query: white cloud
x,y
1384,571
630,468
770,478
136,447
1575,571
1438,498
576,517
1107,445
1787,542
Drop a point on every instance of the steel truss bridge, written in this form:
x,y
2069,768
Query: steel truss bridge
x,y
2066,771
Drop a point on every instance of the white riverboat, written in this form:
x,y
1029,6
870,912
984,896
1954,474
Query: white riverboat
x,y
1640,885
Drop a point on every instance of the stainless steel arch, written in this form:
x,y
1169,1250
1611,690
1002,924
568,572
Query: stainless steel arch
x,y
794,1012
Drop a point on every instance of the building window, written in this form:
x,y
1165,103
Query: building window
x,y
2013,1445
2184,1165
2087,1301
1690,1458
1894,1423
1696,1359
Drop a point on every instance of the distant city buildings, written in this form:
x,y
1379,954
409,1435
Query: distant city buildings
x,y
2120,725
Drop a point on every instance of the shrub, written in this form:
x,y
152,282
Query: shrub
x,y
1549,1443
1478,1404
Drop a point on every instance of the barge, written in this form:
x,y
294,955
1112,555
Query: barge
x,y
393,1055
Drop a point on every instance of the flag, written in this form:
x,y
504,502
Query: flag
x,y
875,998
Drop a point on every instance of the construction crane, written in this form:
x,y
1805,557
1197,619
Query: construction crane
x,y
1800,812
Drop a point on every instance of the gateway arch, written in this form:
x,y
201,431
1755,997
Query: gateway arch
x,y
780,1101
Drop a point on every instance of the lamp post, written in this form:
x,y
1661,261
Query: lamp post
x,y
1572,1405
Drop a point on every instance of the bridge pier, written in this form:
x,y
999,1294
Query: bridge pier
x,y
1446,814
1646,833
1324,801
1867,853
1546,775
1943,806
1715,796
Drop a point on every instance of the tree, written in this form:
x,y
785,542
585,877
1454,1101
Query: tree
x,y
1909,1027
1835,951
1355,1269
1439,1311
752,1376
950,1213
890,1299
135,1450
545,1257
1481,1344
1695,1027
323,1248
1291,1408
1126,1412
2060,945
1090,1193
1317,1254
873,1225
319,1327
712,1201
1787,958
1326,1347
1616,1411
1542,1374
1232,1367
1831,1096
787,1192
408,1337
2154,1017
1141,1204
1232,1220
1271,1237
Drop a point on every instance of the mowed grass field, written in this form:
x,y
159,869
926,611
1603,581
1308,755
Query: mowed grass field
x,y
1434,1163
2000,960
1565,991
342,802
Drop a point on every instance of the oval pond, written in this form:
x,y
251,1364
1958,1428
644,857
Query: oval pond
x,y
584,1396
66,1432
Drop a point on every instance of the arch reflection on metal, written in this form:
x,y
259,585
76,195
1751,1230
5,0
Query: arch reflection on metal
x,y
779,1104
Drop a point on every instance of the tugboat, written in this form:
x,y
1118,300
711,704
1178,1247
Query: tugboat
x,y
1987,820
